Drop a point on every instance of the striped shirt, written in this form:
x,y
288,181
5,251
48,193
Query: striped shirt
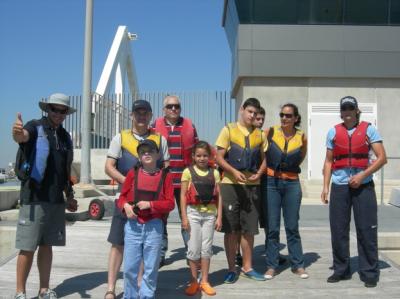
x,y
176,159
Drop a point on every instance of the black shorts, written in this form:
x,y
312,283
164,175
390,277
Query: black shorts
x,y
116,235
241,207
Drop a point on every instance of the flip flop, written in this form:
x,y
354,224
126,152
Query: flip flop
x,y
110,293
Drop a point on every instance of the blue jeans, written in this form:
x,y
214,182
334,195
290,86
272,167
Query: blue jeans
x,y
282,195
142,242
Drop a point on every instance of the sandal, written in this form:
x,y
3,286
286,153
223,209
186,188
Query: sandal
x,y
301,272
108,293
270,274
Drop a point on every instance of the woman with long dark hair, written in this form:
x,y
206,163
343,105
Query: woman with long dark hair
x,y
282,191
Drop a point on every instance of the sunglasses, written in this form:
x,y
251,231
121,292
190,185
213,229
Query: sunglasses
x,y
347,108
287,115
146,150
170,106
56,110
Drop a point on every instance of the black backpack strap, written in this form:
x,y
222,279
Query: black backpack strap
x,y
135,184
163,176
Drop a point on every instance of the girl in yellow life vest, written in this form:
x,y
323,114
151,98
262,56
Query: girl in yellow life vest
x,y
282,191
201,210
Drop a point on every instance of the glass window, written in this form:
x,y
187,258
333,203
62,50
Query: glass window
x,y
395,12
354,12
366,12
244,8
275,12
320,11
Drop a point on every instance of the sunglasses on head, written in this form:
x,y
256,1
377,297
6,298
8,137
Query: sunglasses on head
x,y
170,106
56,110
287,115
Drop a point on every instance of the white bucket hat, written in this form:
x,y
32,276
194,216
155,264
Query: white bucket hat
x,y
57,99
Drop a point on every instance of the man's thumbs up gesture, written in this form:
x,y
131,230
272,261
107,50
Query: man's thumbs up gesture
x,y
19,134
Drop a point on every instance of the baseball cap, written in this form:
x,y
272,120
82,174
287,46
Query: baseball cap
x,y
147,143
348,101
141,104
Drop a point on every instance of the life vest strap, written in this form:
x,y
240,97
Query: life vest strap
x,y
351,155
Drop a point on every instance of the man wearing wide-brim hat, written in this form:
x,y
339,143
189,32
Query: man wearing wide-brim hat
x,y
43,165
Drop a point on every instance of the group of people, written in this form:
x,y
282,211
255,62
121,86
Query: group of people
x,y
245,183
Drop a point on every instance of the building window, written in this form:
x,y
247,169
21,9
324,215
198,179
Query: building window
x,y
275,12
394,12
366,12
320,11
346,12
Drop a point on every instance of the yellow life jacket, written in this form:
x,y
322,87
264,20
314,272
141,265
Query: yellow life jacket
x,y
244,151
282,154
129,156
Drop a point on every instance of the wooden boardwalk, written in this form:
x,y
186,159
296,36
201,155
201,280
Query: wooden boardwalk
x,y
80,269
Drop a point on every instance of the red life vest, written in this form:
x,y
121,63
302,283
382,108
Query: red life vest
x,y
212,160
147,187
351,151
187,137
202,189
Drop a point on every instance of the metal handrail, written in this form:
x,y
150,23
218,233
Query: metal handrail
x,y
383,174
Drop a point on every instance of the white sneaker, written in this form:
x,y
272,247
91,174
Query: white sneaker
x,y
20,296
49,294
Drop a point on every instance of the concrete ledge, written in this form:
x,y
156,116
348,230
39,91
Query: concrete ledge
x,y
395,197
393,256
7,244
86,190
8,198
9,215
389,241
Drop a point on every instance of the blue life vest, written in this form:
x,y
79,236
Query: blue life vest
x,y
283,154
34,166
244,151
129,156
42,153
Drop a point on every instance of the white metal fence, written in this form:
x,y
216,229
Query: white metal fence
x,y
209,111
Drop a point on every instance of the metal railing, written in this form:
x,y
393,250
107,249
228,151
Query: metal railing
x,y
209,111
382,170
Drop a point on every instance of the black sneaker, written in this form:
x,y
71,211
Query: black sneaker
x,y
370,283
336,278
239,260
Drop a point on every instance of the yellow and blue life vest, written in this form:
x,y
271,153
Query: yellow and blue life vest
x,y
129,156
284,154
244,152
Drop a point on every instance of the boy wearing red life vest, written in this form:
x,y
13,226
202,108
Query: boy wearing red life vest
x,y
146,198
347,163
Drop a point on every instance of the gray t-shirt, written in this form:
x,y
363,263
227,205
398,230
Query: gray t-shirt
x,y
115,151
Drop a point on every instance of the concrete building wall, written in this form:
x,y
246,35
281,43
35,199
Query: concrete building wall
x,y
97,162
313,51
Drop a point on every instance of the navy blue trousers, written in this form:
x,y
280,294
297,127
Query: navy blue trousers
x,y
363,202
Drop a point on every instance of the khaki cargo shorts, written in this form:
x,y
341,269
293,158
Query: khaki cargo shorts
x,y
40,223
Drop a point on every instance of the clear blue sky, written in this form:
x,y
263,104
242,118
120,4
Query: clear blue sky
x,y
182,47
